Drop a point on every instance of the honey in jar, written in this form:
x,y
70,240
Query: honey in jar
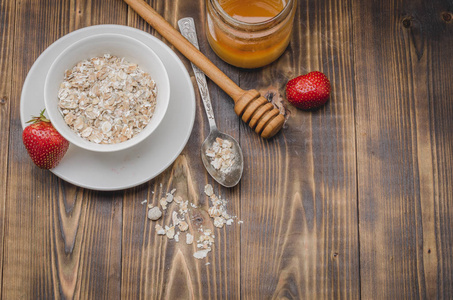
x,y
249,33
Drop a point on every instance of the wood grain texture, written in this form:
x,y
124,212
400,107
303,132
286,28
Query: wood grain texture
x,y
60,241
157,268
404,130
7,15
354,200
26,256
300,236
439,198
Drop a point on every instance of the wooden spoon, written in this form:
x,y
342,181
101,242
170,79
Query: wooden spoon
x,y
254,109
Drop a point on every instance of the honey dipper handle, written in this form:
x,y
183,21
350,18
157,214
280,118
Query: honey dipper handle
x,y
186,48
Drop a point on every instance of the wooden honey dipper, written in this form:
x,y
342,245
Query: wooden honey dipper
x,y
254,109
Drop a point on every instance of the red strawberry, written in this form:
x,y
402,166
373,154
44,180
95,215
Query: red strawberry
x,y
44,144
308,91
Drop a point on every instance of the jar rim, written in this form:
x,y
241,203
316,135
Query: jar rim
x,y
252,26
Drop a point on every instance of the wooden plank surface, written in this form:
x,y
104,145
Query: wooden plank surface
x,y
7,15
61,241
437,183
300,239
157,268
404,130
354,200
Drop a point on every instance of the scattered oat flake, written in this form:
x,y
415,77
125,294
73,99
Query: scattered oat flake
x,y
160,230
208,190
183,226
240,222
189,239
163,203
183,206
200,254
154,213
218,222
170,232
175,218
144,201
169,198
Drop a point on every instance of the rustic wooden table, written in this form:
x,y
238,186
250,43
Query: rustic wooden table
x,y
352,201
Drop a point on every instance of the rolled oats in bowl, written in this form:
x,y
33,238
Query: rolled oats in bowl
x,y
106,99
107,92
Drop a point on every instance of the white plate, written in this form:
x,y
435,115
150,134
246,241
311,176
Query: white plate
x,y
136,165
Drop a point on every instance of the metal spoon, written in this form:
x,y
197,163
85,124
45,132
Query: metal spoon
x,y
232,176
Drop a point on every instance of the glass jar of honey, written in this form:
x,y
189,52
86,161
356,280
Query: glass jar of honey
x,y
249,33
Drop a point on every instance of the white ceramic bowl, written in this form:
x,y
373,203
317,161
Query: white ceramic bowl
x,y
121,46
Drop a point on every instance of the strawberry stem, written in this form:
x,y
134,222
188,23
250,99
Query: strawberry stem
x,y
41,118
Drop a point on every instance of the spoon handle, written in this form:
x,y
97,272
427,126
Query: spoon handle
x,y
187,28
